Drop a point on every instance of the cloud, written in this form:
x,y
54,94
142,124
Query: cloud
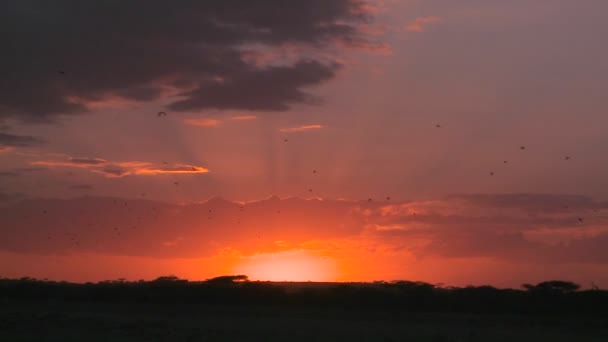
x,y
113,172
420,23
10,140
117,52
6,149
244,117
445,228
203,122
113,169
88,161
268,89
301,128
8,174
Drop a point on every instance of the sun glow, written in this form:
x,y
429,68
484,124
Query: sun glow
x,y
288,266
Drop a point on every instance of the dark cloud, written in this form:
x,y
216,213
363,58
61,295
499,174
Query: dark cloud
x,y
268,89
9,197
530,202
8,174
67,53
148,228
12,140
516,247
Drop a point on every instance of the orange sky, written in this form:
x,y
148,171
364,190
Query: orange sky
x,y
421,106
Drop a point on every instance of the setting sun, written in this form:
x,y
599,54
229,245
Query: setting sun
x,y
288,266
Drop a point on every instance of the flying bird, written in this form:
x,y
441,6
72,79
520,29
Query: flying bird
x,y
567,158
491,173
310,190
161,114
61,72
438,126
506,161
176,183
388,198
285,140
314,171
580,219
522,148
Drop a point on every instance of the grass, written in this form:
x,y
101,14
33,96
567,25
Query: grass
x,y
25,321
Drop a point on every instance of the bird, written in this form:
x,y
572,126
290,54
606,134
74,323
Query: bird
x,y
285,140
491,173
505,161
522,148
314,171
194,169
161,114
176,183
310,190
388,198
580,219
369,199
438,126
61,72
567,157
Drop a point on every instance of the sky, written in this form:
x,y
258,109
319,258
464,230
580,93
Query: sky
x,y
454,142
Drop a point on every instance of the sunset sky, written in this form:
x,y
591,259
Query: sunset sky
x,y
456,142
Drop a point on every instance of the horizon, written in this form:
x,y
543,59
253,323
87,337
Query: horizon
x,y
328,141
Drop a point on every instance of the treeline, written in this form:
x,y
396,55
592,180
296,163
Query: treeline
x,y
550,297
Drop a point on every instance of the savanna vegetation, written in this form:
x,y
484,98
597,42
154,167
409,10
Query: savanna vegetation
x,y
234,308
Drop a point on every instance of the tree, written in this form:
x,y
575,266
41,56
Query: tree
x,y
553,286
229,279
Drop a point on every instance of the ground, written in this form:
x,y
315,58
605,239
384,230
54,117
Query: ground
x,y
24,321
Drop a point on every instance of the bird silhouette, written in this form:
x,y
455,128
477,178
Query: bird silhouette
x,y
491,173
567,158
161,114
438,126
522,148
580,219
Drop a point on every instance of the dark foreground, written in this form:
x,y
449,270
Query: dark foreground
x,y
61,322
226,311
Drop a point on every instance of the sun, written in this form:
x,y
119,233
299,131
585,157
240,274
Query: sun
x,y
294,265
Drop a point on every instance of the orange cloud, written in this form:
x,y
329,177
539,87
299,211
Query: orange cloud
x,y
122,169
148,169
420,23
5,149
203,122
244,117
301,128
